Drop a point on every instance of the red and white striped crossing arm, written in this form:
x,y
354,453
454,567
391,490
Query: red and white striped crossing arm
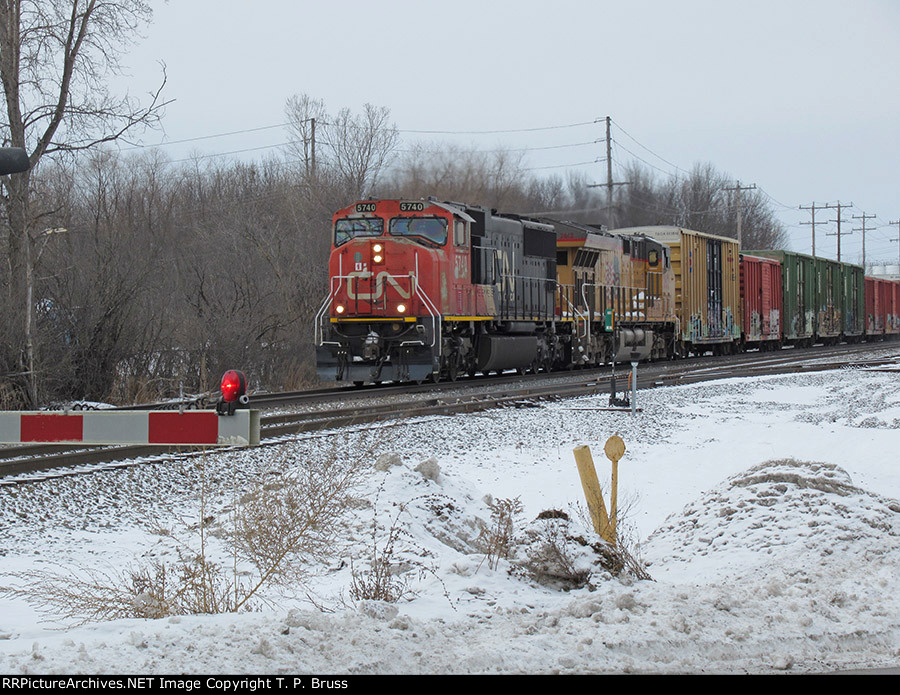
x,y
189,428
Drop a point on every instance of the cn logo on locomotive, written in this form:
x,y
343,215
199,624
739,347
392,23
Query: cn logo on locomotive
x,y
380,279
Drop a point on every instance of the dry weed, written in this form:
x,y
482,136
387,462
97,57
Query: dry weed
x,y
273,532
554,553
496,540
385,575
384,578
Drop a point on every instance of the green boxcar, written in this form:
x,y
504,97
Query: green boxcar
x,y
829,304
854,302
823,299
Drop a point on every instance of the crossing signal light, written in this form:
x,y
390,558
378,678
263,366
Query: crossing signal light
x,y
234,392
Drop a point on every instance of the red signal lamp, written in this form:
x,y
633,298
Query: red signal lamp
x,y
234,392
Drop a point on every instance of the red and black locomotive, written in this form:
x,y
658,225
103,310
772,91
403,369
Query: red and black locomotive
x,y
422,288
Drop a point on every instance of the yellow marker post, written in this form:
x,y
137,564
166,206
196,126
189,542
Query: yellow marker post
x,y
614,449
592,492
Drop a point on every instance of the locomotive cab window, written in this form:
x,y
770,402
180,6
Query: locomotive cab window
x,y
350,228
653,257
459,233
432,230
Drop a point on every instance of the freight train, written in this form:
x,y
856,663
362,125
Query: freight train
x,y
424,289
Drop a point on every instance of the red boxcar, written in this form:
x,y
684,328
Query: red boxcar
x,y
882,307
893,325
879,306
761,302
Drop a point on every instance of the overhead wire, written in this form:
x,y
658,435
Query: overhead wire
x,y
400,130
662,159
498,132
615,143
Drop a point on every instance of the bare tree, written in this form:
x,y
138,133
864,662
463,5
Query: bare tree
x,y
304,114
701,201
352,150
493,179
361,147
56,57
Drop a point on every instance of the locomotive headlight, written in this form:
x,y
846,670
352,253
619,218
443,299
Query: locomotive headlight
x,y
377,258
339,308
401,308
377,248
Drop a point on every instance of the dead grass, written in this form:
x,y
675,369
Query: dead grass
x,y
224,558
496,539
393,558
383,576
554,551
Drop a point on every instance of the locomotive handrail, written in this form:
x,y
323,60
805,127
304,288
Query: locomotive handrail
x,y
430,306
575,312
632,288
319,327
436,317
336,284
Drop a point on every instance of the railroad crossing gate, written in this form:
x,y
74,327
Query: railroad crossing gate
x,y
163,427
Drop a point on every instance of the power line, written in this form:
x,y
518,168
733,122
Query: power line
x,y
776,201
496,132
205,137
652,166
244,131
617,142
648,149
563,166
400,151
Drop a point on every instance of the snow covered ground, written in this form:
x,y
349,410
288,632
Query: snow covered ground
x,y
766,512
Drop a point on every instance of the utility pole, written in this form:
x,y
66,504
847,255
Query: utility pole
x,y
812,208
863,217
738,189
609,181
838,220
609,177
898,242
313,147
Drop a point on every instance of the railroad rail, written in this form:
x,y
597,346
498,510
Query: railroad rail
x,y
411,401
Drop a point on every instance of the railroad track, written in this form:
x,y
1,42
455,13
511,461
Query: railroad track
x,y
325,396
426,400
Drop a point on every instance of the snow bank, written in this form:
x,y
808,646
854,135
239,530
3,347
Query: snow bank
x,y
759,563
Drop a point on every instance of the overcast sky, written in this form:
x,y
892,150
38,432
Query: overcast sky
x,y
800,98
